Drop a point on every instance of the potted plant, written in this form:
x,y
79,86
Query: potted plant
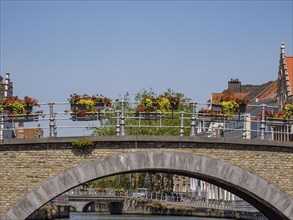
x,y
174,98
148,107
230,105
20,110
288,108
85,107
242,103
280,117
210,115
152,106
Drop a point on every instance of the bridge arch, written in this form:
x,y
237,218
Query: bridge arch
x,y
269,199
86,207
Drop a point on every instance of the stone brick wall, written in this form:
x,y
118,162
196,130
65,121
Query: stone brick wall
x,y
24,165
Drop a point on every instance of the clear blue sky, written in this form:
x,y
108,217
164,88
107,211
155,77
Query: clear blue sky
x,y
55,48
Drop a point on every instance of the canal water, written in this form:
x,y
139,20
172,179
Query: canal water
x,y
97,216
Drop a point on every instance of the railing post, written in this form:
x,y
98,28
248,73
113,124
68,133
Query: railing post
x,y
53,132
2,126
181,132
122,119
160,117
117,123
244,127
193,124
262,125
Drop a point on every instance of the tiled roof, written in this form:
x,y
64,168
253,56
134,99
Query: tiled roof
x,y
258,91
289,62
261,92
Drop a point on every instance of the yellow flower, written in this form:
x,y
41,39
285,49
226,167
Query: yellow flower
x,y
18,108
164,104
149,103
289,110
229,107
89,104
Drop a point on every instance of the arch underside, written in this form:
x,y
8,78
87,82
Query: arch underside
x,y
269,199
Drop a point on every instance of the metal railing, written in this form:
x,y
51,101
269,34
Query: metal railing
x,y
56,119
169,198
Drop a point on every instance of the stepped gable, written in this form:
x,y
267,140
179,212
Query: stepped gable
x,y
289,62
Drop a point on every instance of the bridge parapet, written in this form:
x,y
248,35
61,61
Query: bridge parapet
x,y
27,163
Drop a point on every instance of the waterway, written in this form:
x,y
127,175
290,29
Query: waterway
x,y
97,216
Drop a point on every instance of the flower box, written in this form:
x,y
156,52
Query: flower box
x,y
149,115
79,112
242,108
27,117
211,118
84,117
98,106
175,106
278,121
23,118
217,108
87,108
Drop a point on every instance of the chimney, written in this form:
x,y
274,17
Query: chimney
x,y
234,85
6,85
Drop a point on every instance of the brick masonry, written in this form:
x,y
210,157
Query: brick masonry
x,y
24,164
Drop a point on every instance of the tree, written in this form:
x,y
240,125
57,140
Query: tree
x,y
167,126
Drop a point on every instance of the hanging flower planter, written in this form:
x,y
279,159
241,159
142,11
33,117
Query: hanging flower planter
x,y
22,118
273,121
211,117
17,110
149,115
217,107
152,107
231,105
174,98
242,108
99,106
175,106
87,108
81,113
84,117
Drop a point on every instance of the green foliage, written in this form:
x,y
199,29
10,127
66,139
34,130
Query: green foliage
x,y
169,125
288,110
83,143
125,181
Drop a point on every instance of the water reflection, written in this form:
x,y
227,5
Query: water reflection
x,y
96,216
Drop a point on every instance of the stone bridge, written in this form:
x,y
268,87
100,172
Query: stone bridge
x,y
79,203
37,170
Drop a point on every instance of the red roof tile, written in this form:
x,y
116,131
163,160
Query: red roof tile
x,y
289,62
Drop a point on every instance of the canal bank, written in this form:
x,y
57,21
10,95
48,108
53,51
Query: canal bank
x,y
139,207
156,207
